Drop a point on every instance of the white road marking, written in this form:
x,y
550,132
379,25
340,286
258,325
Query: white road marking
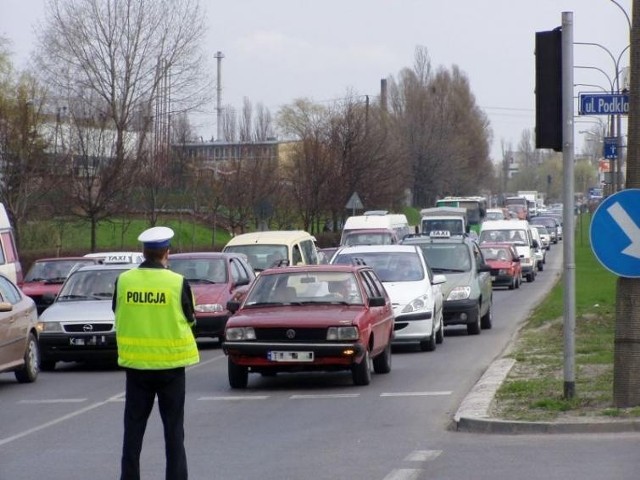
x,y
423,455
404,474
329,395
53,400
229,397
416,394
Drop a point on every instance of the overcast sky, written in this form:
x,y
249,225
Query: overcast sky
x,y
279,50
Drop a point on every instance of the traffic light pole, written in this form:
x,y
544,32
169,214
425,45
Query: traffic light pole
x,y
568,240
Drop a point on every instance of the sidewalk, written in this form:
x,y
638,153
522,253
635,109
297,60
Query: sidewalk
x,y
473,415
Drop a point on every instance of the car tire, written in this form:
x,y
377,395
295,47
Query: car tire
x,y
540,266
486,322
382,363
361,372
238,374
473,327
440,333
429,345
29,371
513,284
531,277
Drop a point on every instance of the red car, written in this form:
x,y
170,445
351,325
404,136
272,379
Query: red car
x,y
311,318
214,278
44,279
506,270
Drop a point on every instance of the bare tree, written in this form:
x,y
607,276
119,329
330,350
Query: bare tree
x,y
114,56
263,125
229,125
246,120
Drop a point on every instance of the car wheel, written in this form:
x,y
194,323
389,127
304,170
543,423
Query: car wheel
x,y
429,345
238,375
382,363
361,372
473,328
513,284
487,319
531,277
540,266
29,371
440,332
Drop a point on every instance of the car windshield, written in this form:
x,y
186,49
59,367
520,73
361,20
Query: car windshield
x,y
447,257
542,230
496,253
305,288
451,225
513,236
367,238
89,285
203,270
53,271
261,257
390,266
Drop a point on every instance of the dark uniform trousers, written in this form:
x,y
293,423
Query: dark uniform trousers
x,y
142,386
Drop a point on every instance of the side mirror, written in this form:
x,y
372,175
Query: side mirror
x,y
233,306
376,302
439,279
484,267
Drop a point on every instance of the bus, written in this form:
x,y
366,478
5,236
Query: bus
x,y
476,209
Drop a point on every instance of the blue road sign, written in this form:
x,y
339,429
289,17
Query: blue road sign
x,y
610,148
604,104
615,235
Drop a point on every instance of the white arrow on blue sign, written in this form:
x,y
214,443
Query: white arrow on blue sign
x,y
615,235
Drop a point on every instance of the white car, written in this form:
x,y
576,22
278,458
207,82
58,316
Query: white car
x,y
545,236
414,290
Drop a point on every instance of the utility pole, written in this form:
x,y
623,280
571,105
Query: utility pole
x,y
219,56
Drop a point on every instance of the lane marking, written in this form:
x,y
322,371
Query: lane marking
x,y
53,400
404,474
416,394
229,397
328,395
115,398
423,455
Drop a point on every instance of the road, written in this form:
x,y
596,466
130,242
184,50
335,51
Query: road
x,y
68,425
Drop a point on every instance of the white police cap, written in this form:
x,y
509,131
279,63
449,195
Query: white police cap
x,y
156,237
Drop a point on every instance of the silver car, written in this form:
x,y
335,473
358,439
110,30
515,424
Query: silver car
x,y
79,324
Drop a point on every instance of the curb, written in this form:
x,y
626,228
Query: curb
x,y
473,414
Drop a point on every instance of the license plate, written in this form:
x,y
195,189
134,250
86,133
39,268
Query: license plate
x,y
91,340
290,356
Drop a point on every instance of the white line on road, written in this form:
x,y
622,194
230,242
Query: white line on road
x,y
423,455
328,395
415,394
229,397
54,400
404,474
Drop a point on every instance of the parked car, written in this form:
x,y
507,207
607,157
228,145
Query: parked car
x,y
414,290
79,324
468,294
46,276
19,348
214,278
504,261
306,318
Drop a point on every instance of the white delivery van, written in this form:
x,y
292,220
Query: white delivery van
x,y
444,219
9,260
518,233
377,227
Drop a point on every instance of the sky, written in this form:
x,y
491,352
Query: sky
x,y
276,51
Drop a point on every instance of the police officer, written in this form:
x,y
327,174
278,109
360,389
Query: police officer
x,y
154,316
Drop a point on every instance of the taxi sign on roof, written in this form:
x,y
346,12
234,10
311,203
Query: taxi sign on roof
x,y
440,234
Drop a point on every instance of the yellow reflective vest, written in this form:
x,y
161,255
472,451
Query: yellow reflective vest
x,y
152,331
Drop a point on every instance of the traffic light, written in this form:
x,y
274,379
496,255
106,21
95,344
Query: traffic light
x,y
549,89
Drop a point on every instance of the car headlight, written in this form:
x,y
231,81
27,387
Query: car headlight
x,y
49,327
209,307
417,304
343,333
459,293
240,333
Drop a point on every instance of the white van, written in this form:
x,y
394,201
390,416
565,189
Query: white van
x,y
9,260
444,219
376,227
267,249
518,233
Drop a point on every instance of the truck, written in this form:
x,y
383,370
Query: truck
x,y
532,200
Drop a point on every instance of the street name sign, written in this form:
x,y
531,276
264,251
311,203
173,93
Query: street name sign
x,y
604,104
615,235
